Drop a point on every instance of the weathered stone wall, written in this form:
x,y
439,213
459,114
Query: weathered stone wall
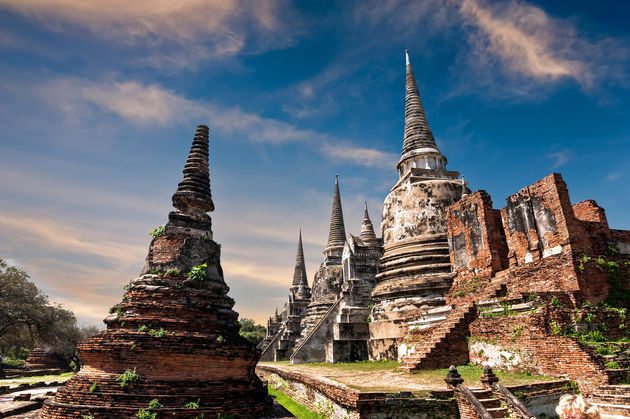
x,y
337,401
535,220
413,210
476,236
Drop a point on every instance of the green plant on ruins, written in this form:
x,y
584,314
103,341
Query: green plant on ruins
x,y
160,333
94,387
192,405
612,365
145,414
618,292
155,404
157,232
128,378
199,273
173,272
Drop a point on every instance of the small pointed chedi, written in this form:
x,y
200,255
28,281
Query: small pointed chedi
x,y
284,330
173,341
329,276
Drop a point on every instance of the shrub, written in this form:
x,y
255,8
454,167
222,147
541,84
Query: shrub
x,y
199,273
155,404
192,405
555,302
160,333
94,387
143,328
612,365
173,271
157,232
220,339
127,378
145,414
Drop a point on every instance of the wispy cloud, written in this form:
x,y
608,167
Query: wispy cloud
x,y
559,158
368,157
530,44
613,176
210,28
152,104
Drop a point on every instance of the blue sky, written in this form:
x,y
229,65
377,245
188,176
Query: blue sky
x,y
99,101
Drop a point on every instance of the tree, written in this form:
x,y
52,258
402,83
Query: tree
x,y
21,304
251,331
27,319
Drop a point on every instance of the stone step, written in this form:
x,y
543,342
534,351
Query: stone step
x,y
417,249
488,403
498,412
616,389
614,409
611,399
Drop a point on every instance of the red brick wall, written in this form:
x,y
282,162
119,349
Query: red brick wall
x,y
542,352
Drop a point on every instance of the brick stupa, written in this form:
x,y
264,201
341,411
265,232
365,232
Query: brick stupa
x,y
175,336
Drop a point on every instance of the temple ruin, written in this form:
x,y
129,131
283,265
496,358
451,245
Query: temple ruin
x,y
173,341
454,281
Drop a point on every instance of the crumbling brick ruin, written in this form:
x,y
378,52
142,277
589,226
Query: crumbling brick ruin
x,y
529,278
174,337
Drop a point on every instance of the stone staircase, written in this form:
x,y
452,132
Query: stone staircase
x,y
492,404
613,401
445,343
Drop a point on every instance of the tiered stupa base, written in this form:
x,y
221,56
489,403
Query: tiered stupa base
x,y
184,349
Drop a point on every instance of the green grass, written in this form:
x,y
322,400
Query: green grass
x,y
292,406
472,375
357,365
16,381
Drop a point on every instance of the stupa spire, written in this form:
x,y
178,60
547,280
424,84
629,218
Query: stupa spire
x,y
337,232
417,134
367,229
193,192
299,275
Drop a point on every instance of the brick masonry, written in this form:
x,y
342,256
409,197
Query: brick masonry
x,y
536,249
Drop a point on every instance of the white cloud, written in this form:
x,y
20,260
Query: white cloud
x,y
531,44
368,157
560,157
172,34
613,176
182,20
152,104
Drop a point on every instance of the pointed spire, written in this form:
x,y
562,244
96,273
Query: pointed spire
x,y
417,135
337,233
299,275
367,229
193,192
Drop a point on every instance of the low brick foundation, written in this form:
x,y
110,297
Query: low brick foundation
x,y
336,400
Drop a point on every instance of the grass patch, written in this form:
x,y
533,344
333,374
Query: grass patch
x,y
292,406
357,365
15,381
472,376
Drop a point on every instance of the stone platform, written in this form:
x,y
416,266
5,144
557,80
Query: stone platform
x,y
338,393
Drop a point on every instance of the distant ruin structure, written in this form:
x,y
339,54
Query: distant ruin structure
x,y
284,330
341,333
174,337
329,276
